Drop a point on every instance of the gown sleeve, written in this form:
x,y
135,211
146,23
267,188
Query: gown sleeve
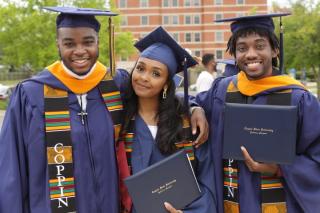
x,y
121,79
13,159
206,203
302,177
206,99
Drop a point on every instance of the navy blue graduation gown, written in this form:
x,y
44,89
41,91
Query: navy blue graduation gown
x,y
146,153
23,159
301,179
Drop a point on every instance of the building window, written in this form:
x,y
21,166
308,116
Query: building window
x,y
166,20
218,2
197,37
187,19
175,36
124,21
197,53
187,3
196,19
219,36
219,54
240,1
144,20
188,37
170,3
175,19
218,16
175,3
165,3
122,3
144,3
196,2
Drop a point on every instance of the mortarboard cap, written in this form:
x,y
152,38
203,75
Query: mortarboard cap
x,y
178,79
85,17
79,17
230,67
160,46
261,21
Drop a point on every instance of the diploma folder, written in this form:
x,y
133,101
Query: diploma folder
x,y
171,180
268,132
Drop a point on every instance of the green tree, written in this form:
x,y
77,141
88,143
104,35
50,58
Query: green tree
x,y
27,33
302,40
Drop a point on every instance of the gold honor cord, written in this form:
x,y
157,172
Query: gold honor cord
x,y
111,47
281,65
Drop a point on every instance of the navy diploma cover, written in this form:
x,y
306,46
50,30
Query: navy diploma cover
x,y
171,180
268,132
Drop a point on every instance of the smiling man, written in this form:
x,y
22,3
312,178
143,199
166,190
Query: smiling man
x,y
77,58
57,143
250,186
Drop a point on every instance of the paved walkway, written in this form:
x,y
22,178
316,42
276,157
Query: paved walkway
x,y
1,117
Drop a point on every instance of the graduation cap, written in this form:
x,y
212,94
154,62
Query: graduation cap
x,y
261,21
230,67
160,46
85,17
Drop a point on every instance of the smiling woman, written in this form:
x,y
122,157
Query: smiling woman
x,y
149,78
157,121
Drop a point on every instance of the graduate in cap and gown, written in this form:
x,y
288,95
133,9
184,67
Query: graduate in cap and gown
x,y
250,186
157,121
57,143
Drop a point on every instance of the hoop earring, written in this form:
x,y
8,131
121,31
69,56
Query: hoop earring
x,y
164,93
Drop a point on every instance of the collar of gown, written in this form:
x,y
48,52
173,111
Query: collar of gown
x,y
78,84
253,87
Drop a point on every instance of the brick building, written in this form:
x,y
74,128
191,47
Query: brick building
x,y
190,22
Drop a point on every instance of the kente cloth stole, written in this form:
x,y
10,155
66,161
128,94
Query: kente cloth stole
x,y
112,99
186,144
272,192
59,144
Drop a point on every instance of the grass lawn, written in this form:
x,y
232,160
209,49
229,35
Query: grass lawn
x,y
4,104
10,82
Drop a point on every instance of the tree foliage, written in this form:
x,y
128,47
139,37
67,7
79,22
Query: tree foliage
x,y
302,40
28,33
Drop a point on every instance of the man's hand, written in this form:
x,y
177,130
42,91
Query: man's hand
x,y
198,119
171,209
258,167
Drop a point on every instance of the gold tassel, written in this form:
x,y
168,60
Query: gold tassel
x,y
111,47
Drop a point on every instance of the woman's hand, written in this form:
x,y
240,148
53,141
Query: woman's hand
x,y
258,167
171,209
198,119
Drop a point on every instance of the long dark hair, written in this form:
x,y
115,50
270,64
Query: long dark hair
x,y
169,116
273,40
